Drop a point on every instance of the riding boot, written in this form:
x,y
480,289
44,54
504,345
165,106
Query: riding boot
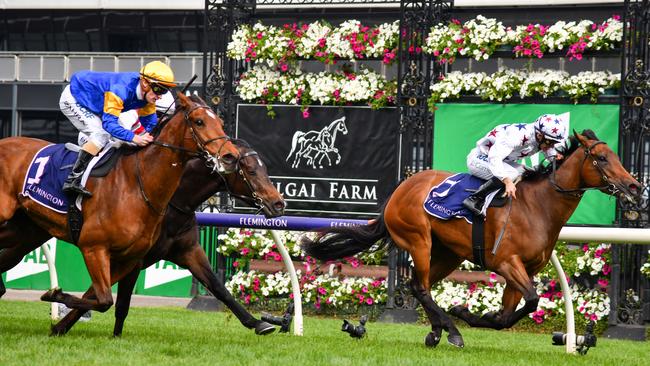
x,y
72,184
475,202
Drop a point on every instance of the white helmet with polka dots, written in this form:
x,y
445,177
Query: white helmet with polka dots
x,y
554,127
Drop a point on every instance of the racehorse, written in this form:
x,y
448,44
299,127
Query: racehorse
x,y
315,146
545,201
178,241
123,217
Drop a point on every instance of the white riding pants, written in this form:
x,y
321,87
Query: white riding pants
x,y
88,123
479,166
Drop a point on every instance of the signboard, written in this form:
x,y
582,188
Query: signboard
x,y
161,279
340,161
458,126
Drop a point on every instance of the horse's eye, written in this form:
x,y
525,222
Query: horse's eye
x,y
251,172
602,158
199,122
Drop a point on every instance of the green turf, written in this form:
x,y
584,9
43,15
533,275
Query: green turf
x,y
166,336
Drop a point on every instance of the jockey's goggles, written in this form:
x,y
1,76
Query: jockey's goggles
x,y
158,89
549,142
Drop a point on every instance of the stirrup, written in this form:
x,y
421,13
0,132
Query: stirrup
x,y
71,188
470,204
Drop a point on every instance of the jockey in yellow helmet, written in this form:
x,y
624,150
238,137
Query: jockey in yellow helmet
x,y
94,100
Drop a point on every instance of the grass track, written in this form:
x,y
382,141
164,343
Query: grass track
x,y
171,336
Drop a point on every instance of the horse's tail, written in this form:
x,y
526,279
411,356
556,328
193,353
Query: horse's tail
x,y
340,242
294,143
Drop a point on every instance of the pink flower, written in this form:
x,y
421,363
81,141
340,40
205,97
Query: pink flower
x,y
235,264
260,35
322,291
305,113
603,283
284,67
245,251
369,301
606,269
364,289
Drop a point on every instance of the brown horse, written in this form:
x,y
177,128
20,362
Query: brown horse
x,y
544,203
178,241
123,217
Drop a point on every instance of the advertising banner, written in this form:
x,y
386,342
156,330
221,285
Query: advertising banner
x,y
161,279
340,161
458,126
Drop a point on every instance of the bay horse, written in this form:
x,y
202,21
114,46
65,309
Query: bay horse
x,y
179,239
123,217
545,201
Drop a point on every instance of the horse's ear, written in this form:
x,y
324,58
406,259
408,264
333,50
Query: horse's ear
x,y
184,100
581,139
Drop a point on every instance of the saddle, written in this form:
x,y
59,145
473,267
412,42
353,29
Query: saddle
x,y
100,168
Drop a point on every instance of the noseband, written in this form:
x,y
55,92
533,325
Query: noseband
x,y
579,192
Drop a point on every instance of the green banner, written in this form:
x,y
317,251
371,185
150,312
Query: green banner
x,y
458,126
161,279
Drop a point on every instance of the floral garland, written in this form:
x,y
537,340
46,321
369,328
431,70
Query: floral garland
x,y
505,84
319,40
480,37
266,86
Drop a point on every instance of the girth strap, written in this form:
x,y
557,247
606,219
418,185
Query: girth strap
x,y
478,241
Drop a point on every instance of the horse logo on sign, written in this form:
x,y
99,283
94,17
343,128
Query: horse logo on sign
x,y
316,149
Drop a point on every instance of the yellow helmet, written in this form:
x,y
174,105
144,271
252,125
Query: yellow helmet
x,y
158,72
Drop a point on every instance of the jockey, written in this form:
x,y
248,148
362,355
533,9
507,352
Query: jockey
x,y
495,156
94,100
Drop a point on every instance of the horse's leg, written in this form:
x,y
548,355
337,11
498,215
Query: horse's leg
x,y
194,259
122,304
419,245
31,237
99,267
71,318
518,283
443,262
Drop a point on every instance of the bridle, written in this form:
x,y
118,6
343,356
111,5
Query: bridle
x,y
579,192
214,162
254,199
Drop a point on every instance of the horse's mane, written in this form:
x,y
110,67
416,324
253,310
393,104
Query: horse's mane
x,y
542,171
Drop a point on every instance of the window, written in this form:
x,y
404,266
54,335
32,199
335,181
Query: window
x,y
5,124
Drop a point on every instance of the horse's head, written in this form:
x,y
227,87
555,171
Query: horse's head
x,y
206,129
252,183
603,170
341,125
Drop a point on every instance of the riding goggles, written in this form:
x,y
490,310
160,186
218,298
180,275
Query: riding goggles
x,y
158,89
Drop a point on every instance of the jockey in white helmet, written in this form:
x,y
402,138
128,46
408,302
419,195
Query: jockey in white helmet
x,y
495,157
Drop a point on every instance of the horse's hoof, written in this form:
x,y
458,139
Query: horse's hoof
x,y
264,328
56,331
432,339
456,340
51,294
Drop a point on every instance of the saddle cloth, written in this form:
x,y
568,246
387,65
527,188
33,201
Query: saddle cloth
x,y
48,170
445,201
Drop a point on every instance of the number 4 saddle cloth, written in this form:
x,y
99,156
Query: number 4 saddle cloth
x,y
47,172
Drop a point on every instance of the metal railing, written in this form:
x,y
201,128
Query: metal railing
x,y
57,67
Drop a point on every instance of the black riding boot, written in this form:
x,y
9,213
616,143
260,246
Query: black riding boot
x,y
475,202
73,183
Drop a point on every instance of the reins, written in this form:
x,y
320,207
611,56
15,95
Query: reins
x,y
201,152
579,192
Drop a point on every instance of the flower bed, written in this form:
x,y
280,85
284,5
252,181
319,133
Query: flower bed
x,y
586,266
